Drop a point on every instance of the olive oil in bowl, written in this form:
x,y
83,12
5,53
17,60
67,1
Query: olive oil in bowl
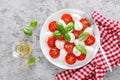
x,y
24,49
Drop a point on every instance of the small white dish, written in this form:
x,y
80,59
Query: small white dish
x,y
45,49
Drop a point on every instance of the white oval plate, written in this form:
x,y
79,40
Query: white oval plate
x,y
45,49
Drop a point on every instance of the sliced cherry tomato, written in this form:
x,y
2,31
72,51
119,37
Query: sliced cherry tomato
x,y
90,40
70,58
77,33
61,37
69,47
85,23
67,18
52,26
54,52
51,41
81,57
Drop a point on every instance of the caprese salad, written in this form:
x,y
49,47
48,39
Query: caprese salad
x,y
70,39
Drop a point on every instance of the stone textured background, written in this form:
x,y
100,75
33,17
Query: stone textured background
x,y
16,14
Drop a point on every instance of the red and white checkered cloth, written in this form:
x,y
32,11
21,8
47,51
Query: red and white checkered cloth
x,y
110,41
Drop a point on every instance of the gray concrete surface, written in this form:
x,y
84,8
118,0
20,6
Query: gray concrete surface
x,y
16,14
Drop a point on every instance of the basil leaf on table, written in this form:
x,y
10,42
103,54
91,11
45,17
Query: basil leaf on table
x,y
34,23
81,49
83,36
27,31
40,58
69,26
31,61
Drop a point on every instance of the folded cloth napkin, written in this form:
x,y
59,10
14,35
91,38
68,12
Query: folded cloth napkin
x,y
110,42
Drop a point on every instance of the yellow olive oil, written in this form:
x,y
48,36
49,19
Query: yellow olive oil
x,y
24,49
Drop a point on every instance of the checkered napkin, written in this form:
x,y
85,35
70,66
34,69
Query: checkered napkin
x,y
110,41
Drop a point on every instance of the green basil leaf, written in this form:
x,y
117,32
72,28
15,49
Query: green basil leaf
x,y
69,26
83,36
81,49
63,32
57,33
67,37
34,23
60,27
31,61
27,31
40,58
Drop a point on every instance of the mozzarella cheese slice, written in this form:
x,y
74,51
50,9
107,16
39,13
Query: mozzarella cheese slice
x,y
76,52
47,35
59,44
76,17
72,37
61,21
89,30
63,53
77,42
89,49
78,25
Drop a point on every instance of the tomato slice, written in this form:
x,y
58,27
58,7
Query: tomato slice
x,y
77,33
67,18
61,37
81,57
85,23
90,40
51,41
52,26
54,52
69,47
70,58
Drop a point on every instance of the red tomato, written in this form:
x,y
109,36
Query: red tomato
x,y
67,18
85,23
61,37
81,57
70,58
90,40
54,52
52,26
51,41
69,47
77,33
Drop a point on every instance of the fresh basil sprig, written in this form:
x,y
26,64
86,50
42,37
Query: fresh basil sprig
x,y
67,37
28,30
31,61
69,27
63,31
60,26
81,49
34,23
83,36
57,33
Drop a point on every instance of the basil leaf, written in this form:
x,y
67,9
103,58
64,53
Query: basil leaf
x,y
69,26
60,27
83,36
31,41
81,49
67,37
31,61
34,23
57,33
40,58
27,31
